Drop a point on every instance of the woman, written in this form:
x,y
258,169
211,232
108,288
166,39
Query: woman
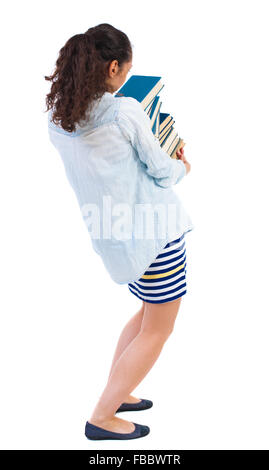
x,y
116,165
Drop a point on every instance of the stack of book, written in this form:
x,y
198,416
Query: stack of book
x,y
146,89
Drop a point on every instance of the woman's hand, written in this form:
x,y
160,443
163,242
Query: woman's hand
x,y
180,156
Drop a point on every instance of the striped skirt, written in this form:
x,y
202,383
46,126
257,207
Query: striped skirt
x,y
165,279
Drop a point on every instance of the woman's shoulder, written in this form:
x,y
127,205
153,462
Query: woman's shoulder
x,y
129,105
130,114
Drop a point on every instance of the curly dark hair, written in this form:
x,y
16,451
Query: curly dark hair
x,y
81,70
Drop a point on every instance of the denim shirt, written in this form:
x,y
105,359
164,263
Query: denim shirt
x,y
123,181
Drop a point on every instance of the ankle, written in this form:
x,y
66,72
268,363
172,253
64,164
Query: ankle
x,y
100,420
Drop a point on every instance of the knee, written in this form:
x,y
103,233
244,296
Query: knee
x,y
159,335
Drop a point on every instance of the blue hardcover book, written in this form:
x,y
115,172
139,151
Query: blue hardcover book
x,y
165,129
154,108
176,144
143,88
164,134
153,114
148,108
167,137
154,127
164,120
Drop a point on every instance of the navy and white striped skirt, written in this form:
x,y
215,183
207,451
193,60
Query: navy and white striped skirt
x,y
165,279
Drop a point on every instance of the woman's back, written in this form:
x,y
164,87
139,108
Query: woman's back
x,y
119,172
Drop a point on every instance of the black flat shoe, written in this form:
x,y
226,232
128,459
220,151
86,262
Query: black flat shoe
x,y
96,433
143,404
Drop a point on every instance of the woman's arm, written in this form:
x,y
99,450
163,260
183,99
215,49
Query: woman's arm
x,y
135,125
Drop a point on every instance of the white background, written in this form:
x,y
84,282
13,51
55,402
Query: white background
x,y
61,313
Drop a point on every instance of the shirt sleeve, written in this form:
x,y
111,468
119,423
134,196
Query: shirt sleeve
x,y
135,125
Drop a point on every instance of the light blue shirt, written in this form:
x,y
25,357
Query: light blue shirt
x,y
123,180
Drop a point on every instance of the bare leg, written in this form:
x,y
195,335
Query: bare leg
x,y
134,363
128,333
